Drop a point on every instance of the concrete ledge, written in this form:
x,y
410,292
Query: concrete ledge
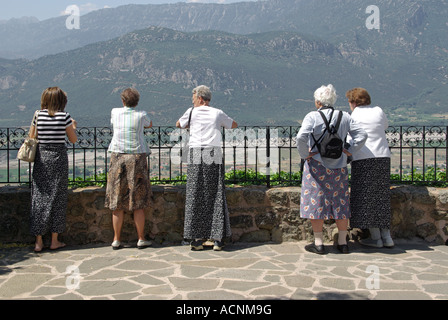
x,y
257,214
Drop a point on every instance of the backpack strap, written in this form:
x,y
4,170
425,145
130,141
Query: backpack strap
x,y
338,123
327,127
327,122
316,142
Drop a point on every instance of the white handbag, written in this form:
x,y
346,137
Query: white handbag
x,y
27,151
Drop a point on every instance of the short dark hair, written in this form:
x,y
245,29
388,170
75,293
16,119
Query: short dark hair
x,y
130,97
359,96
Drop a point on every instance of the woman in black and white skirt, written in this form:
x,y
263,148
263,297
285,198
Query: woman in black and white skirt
x,y
206,214
50,171
370,181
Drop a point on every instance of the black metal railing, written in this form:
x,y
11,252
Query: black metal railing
x,y
264,155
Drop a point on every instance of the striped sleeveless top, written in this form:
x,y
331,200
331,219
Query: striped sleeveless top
x,y
51,130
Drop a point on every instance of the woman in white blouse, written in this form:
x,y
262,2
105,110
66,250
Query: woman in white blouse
x,y
370,180
206,214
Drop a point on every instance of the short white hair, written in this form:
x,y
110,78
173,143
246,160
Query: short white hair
x,y
326,95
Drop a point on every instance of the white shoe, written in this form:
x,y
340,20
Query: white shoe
x,y
116,245
143,244
387,239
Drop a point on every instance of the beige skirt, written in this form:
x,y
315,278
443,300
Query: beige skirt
x,y
128,186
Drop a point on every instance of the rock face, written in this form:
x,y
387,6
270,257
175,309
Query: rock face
x,y
257,214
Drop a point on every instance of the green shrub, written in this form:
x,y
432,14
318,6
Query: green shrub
x,y
248,177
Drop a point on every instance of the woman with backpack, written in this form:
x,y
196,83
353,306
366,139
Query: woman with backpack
x,y
320,143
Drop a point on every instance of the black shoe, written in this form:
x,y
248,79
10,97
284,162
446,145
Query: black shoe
x,y
196,245
315,249
343,248
218,245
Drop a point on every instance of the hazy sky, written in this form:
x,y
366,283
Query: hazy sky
x,y
44,9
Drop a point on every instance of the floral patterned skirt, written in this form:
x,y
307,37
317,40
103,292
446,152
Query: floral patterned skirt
x,y
325,194
128,185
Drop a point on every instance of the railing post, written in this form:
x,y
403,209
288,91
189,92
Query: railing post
x,y
424,152
446,154
268,157
401,153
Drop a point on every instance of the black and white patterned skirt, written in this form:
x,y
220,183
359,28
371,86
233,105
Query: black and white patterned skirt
x,y
49,191
206,212
370,194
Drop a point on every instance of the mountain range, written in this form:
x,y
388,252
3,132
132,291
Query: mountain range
x,y
263,60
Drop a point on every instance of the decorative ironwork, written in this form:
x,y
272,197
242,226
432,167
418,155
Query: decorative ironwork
x,y
270,152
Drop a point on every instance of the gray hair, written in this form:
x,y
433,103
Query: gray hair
x,y
203,92
326,95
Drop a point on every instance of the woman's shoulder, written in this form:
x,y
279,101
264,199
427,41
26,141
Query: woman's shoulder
x,y
126,110
141,112
211,109
367,111
45,112
346,114
215,111
378,110
312,114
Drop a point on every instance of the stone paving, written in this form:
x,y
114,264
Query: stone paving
x,y
242,271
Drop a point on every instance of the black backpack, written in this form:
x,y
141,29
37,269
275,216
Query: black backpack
x,y
330,145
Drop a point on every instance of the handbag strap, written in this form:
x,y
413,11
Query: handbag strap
x,y
36,115
189,119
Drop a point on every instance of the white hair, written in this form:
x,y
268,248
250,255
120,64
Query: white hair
x,y
326,95
204,92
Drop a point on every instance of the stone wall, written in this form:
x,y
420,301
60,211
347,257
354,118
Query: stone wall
x,y
257,214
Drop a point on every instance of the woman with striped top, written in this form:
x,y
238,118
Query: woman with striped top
x,y
128,186
49,194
